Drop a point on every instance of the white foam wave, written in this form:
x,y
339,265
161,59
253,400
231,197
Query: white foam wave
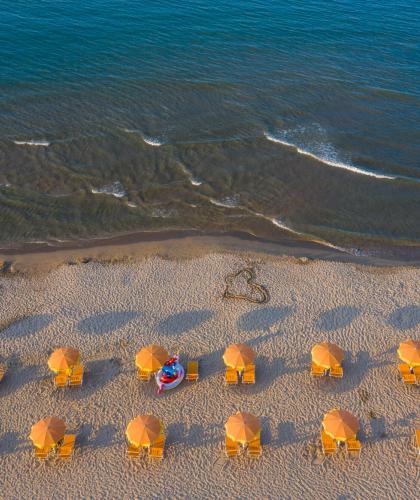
x,y
228,202
331,163
44,144
116,189
193,180
153,141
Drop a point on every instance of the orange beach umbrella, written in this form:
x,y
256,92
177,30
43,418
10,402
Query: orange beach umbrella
x,y
63,359
237,356
409,352
242,427
327,354
143,430
151,358
340,424
47,432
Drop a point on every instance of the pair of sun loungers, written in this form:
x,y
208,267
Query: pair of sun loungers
x,y
248,375
253,447
410,377
155,451
329,445
64,450
73,380
319,371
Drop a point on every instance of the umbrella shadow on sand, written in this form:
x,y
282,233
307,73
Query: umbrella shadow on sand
x,y
183,322
25,326
405,318
338,317
11,442
18,375
103,323
264,318
104,437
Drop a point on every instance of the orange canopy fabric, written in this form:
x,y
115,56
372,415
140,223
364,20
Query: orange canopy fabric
x,y
237,356
242,427
63,359
327,355
47,432
151,358
409,352
340,424
143,430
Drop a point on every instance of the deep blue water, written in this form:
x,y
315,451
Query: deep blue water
x,y
186,112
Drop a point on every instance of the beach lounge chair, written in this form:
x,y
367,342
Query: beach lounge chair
x,y
232,447
329,446
42,453
231,376
192,371
133,451
248,377
61,380
254,447
2,372
156,450
66,448
418,440
337,372
76,378
353,446
317,371
408,377
143,375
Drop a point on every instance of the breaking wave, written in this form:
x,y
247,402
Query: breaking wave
x,y
116,189
44,144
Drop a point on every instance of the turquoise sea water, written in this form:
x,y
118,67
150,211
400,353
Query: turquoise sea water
x,y
272,117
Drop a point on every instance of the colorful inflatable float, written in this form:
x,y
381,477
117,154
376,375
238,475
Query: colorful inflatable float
x,y
170,375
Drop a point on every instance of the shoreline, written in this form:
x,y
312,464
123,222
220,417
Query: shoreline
x,y
187,243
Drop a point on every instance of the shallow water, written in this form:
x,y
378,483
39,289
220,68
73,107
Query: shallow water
x,y
260,116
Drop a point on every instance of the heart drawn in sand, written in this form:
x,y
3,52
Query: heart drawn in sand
x,y
241,285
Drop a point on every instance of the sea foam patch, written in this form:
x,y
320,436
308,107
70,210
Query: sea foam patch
x,y
32,142
115,189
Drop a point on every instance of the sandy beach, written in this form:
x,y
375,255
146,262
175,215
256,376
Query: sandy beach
x,y
109,311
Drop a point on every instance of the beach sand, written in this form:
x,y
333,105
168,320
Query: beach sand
x,y
109,311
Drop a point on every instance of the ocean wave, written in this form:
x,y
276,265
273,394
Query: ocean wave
x,y
227,202
44,144
116,189
193,180
332,163
153,141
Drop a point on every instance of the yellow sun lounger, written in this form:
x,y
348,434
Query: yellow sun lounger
x,y
408,377
248,377
329,446
254,447
337,372
156,450
2,372
231,376
76,378
418,440
42,453
143,375
353,446
317,371
61,380
232,447
66,449
133,451
416,371
192,371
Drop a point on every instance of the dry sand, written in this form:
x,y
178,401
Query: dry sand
x,y
110,311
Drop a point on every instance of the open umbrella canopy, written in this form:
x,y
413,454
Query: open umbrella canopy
x,y
47,432
237,356
340,424
63,359
143,430
242,427
409,352
151,358
327,355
